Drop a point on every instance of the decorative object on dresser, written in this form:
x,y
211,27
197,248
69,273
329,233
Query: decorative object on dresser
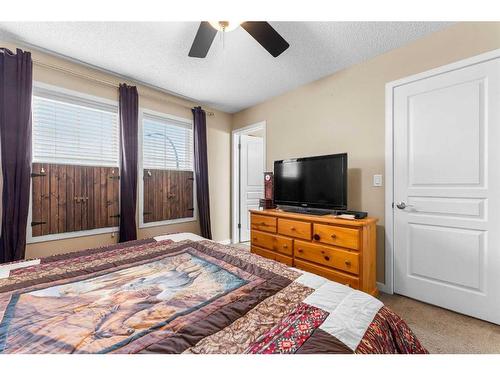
x,y
268,185
266,204
340,250
268,201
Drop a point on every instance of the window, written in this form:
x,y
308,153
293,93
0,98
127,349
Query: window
x,y
167,144
70,130
167,154
75,171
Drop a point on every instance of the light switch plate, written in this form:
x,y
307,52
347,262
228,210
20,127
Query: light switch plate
x,y
377,180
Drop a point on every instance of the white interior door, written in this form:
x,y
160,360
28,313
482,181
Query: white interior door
x,y
447,173
251,180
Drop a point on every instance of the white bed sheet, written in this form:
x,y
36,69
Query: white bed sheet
x,y
5,269
177,237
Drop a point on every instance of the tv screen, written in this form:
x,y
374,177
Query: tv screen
x,y
316,182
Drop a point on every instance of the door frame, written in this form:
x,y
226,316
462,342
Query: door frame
x,y
388,286
235,183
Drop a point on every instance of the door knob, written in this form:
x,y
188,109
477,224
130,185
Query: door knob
x,y
402,205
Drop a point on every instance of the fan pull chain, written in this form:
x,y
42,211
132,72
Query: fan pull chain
x,y
223,38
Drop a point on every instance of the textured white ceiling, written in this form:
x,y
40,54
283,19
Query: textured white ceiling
x,y
235,75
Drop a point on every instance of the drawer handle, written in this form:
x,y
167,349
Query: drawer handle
x,y
347,263
255,238
317,237
300,250
263,224
292,228
285,246
334,236
327,258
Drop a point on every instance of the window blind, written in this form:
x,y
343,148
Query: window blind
x,y
72,130
167,144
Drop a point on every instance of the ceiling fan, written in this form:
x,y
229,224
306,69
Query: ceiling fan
x,y
261,31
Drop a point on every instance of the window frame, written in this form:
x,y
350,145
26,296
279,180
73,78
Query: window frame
x,y
61,91
140,173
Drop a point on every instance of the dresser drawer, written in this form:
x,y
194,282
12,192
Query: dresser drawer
x,y
265,223
330,274
284,259
272,255
262,239
283,245
263,252
294,228
343,260
338,236
272,242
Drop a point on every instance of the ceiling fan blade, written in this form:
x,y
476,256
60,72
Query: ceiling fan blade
x,y
265,34
203,40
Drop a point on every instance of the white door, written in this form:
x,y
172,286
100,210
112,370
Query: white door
x,y
447,173
251,180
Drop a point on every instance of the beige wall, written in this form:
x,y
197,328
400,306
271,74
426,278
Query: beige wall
x,y
344,112
218,134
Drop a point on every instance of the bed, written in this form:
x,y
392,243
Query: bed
x,y
183,294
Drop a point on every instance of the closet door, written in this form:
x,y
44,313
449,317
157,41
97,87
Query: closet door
x,y
447,190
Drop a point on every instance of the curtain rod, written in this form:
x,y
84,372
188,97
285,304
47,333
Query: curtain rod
x,y
107,83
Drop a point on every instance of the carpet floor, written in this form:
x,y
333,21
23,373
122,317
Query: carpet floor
x,y
444,331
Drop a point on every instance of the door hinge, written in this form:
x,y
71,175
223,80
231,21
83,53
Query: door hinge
x,y
239,226
147,213
113,216
34,223
115,177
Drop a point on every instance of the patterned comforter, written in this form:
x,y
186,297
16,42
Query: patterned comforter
x,y
188,297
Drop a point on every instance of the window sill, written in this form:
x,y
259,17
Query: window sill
x,y
167,222
67,235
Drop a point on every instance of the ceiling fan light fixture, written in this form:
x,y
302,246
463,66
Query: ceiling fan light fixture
x,y
225,26
261,31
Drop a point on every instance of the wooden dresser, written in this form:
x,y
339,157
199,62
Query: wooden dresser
x,y
338,249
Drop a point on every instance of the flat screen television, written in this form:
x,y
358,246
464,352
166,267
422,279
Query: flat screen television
x,y
312,182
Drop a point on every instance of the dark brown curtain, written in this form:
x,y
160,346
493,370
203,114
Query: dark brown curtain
x,y
201,170
129,113
16,71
